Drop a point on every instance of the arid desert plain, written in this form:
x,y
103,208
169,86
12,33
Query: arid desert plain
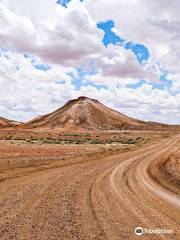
x,y
88,172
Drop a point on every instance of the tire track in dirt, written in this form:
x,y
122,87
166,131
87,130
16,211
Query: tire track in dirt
x,y
135,170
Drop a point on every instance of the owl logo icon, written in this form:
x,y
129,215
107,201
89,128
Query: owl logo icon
x,y
139,231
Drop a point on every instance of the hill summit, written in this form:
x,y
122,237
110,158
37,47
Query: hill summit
x,y
87,113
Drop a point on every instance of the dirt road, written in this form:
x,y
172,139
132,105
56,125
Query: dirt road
x,y
104,198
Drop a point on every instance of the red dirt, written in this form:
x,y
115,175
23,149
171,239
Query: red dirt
x,y
85,192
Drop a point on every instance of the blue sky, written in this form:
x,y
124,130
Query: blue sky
x,y
97,50
110,37
140,51
64,3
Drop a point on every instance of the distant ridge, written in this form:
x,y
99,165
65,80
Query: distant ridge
x,y
8,123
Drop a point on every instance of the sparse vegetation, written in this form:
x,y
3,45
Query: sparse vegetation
x,y
96,141
49,140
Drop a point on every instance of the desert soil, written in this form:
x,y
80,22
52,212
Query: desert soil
x,y
79,192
